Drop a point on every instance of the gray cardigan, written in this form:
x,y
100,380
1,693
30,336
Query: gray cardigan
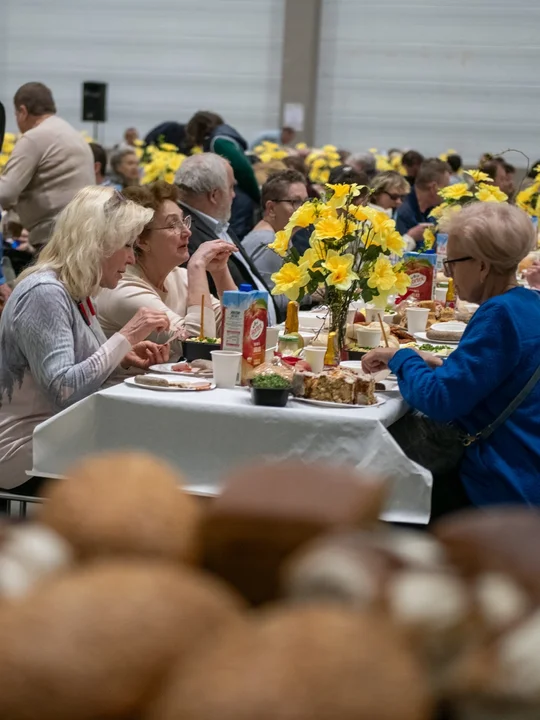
x,y
42,332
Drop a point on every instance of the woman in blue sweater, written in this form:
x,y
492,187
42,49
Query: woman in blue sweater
x,y
497,356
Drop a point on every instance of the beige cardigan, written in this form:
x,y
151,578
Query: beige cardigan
x,y
116,307
48,166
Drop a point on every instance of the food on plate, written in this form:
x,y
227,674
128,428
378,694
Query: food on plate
x,y
359,317
443,350
444,335
401,334
164,381
338,385
196,367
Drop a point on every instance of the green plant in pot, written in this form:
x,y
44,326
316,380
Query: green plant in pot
x,y
271,390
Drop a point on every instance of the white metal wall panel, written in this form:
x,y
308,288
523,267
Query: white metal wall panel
x,y
163,59
430,75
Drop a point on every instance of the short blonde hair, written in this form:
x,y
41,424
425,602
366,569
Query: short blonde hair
x,y
389,181
498,233
94,225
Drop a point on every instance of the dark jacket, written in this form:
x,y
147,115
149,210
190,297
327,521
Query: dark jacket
x,y
168,132
409,214
224,131
201,232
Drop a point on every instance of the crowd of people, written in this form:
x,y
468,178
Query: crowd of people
x,y
112,273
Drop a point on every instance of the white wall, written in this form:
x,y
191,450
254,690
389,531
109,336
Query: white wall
x,y
163,59
431,75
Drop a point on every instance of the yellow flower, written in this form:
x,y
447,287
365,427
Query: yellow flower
x,y
342,193
429,238
381,223
290,280
301,146
329,228
478,176
138,142
524,197
360,213
382,276
438,211
395,243
196,150
312,255
168,147
339,266
490,193
382,163
281,243
304,216
455,192
402,281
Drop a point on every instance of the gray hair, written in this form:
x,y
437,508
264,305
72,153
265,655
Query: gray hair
x,y
363,161
203,173
118,155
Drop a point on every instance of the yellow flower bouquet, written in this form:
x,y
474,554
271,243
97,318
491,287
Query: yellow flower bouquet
x,y
529,198
348,255
477,187
159,162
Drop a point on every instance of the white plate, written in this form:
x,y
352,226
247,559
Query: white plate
x,y
196,385
345,406
167,369
423,338
457,327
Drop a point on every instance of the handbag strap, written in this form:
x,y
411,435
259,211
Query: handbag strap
x,y
503,417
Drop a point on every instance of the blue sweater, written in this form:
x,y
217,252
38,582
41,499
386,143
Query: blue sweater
x,y
498,354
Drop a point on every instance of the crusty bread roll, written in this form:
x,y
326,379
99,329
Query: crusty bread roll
x,y
124,504
301,663
96,643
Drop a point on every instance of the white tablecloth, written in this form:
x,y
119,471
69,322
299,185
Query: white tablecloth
x,y
208,434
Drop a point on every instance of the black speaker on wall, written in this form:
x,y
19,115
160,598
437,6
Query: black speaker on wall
x,y
94,105
2,125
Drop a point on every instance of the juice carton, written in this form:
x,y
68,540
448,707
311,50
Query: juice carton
x,y
442,244
245,318
421,268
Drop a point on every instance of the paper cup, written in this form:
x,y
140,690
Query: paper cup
x,y
372,313
272,334
269,354
368,337
440,294
417,319
351,314
315,357
226,364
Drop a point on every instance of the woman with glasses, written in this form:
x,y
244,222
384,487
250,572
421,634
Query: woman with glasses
x,y
282,194
53,352
491,379
155,280
388,190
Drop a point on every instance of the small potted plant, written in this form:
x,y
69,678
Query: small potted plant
x,y
271,390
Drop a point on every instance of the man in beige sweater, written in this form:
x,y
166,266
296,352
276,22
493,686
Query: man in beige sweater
x,y
50,163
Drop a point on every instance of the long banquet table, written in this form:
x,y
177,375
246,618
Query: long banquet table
x,y
207,434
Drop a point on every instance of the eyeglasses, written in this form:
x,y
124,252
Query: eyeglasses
x,y
447,265
295,202
395,197
176,225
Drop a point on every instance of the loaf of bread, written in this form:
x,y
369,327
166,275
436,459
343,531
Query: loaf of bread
x,y
266,512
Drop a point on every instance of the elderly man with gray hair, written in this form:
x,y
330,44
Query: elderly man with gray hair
x,y
206,183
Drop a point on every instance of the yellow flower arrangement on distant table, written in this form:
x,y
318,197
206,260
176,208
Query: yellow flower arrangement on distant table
x,y
7,148
348,255
320,163
529,199
268,151
159,162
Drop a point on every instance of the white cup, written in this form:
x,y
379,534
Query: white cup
x,y
226,364
372,313
368,337
269,354
272,334
315,357
440,294
417,319
351,313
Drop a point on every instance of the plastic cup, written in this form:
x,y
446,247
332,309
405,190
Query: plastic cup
x,y
417,320
440,294
226,365
272,334
315,357
368,337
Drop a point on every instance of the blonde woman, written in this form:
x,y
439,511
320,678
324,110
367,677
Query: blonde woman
x,y
52,349
387,191
489,384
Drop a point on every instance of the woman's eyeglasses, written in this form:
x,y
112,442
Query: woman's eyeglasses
x,y
176,225
448,265
395,196
295,202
